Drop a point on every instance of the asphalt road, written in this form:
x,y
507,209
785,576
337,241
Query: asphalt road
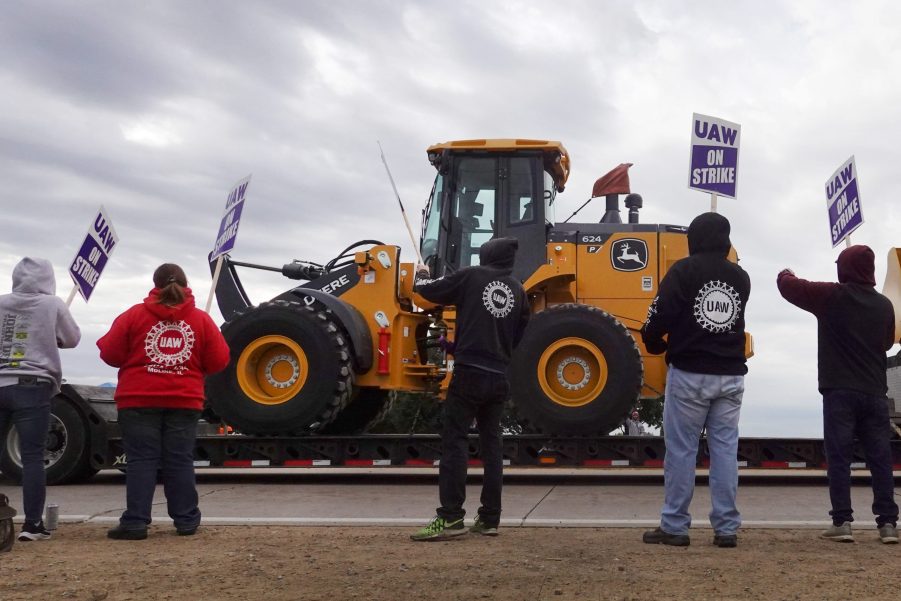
x,y
408,496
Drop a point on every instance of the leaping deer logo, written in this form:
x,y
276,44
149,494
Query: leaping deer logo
x,y
625,255
626,259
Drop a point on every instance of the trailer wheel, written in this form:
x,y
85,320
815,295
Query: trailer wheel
x,y
67,454
577,371
370,405
290,370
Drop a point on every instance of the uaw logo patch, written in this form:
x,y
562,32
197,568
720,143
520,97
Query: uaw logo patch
x,y
169,343
498,299
717,307
629,254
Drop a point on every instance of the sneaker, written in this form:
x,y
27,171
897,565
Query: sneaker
x,y
482,528
725,540
840,534
440,529
33,532
186,531
888,534
659,536
122,533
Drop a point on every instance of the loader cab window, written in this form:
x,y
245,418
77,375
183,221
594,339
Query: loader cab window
x,y
521,191
473,210
550,194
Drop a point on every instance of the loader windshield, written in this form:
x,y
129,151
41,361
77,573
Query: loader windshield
x,y
431,221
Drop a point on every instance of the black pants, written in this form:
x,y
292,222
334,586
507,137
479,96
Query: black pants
x,y
480,395
159,443
848,415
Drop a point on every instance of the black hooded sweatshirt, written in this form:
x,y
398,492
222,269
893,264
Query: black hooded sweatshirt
x,y
700,305
855,324
492,306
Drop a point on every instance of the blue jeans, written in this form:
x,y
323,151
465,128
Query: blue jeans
x,y
27,406
693,402
480,395
848,414
159,443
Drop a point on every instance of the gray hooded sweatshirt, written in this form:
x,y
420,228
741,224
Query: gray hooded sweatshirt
x,y
34,325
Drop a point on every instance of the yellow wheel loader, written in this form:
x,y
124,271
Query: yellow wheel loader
x,y
324,356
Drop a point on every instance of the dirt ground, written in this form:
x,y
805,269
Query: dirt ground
x,y
336,564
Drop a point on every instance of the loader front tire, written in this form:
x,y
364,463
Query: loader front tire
x,y
290,370
577,371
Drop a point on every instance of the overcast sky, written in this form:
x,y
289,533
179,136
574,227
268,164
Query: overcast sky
x,y
156,109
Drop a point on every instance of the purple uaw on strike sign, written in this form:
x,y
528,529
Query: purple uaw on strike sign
x,y
714,155
95,251
843,202
228,227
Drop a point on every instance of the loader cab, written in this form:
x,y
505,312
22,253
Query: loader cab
x,y
491,188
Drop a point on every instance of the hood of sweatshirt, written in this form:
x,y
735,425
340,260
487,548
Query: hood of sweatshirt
x,y
499,253
709,233
857,265
152,302
34,276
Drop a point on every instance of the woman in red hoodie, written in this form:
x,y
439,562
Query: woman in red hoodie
x,y
163,347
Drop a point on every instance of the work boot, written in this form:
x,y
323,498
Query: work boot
x,y
122,533
658,536
725,540
888,534
840,534
440,529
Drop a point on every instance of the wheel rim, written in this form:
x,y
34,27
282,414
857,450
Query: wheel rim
x,y
54,448
272,369
572,372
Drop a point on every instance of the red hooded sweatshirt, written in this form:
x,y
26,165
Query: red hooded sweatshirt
x,y
163,354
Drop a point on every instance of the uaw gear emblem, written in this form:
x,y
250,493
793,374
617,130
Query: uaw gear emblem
x,y
717,307
498,299
169,343
629,254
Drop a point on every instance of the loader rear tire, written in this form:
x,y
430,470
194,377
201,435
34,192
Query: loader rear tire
x,y
577,371
290,370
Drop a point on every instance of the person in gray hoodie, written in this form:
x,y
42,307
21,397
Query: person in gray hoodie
x,y
34,325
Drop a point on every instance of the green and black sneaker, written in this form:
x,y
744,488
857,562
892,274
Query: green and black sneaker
x,y
482,528
440,529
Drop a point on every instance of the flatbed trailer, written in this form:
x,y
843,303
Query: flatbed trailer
x,y
85,438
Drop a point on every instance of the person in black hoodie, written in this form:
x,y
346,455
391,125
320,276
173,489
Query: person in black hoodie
x,y
700,308
855,328
492,312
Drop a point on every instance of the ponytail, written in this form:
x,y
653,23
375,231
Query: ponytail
x,y
171,281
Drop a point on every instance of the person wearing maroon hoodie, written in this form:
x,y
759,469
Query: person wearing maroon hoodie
x,y
163,347
855,328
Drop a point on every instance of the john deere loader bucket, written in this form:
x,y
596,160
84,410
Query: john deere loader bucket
x,y
892,287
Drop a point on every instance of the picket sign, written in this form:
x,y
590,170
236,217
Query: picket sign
x,y
228,231
713,162
92,256
843,203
